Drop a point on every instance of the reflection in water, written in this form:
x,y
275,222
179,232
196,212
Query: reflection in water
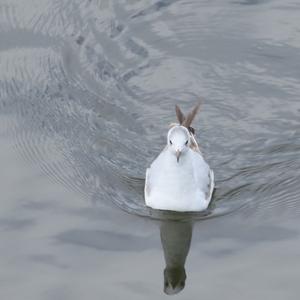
x,y
176,239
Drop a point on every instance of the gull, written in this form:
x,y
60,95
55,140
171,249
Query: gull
x,y
179,179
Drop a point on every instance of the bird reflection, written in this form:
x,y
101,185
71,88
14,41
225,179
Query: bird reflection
x,y
176,239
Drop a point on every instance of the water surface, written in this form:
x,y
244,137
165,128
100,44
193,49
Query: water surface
x,y
87,90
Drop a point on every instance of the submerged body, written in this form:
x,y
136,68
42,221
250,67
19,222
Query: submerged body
x,y
179,179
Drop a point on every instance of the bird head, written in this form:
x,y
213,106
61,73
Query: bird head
x,y
178,141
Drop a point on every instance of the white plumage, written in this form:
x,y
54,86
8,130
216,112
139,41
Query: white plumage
x,y
179,179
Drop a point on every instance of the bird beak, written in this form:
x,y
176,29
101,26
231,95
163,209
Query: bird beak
x,y
178,153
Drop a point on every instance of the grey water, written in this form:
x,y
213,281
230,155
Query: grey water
x,y
87,92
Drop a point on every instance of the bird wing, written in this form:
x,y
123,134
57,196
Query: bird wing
x,y
154,169
211,186
147,184
203,175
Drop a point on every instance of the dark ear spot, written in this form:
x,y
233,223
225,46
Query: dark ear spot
x,y
179,114
191,130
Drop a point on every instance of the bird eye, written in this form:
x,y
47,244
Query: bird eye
x,y
186,142
171,142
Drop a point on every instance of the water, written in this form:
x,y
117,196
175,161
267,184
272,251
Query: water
x,y
87,90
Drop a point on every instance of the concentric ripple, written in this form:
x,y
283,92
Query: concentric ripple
x,y
87,90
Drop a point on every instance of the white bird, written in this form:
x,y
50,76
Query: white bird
x,y
179,179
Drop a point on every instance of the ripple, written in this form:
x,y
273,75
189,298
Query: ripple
x,y
157,6
87,91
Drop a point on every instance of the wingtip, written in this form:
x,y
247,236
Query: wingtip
x,y
179,114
